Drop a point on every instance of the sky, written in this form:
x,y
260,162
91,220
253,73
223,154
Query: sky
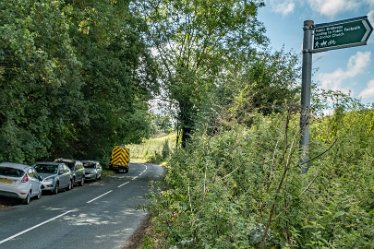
x,y
350,70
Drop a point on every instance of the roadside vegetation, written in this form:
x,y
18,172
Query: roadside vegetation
x,y
242,188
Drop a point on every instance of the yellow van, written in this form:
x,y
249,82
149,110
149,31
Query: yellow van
x,y
120,159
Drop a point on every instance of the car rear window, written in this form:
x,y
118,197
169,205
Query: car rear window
x,y
6,171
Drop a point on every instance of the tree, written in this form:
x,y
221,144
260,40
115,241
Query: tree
x,y
38,78
266,84
75,77
118,76
194,41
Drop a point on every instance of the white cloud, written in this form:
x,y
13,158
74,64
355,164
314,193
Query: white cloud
x,y
371,20
284,8
368,91
328,8
355,66
357,63
371,16
333,7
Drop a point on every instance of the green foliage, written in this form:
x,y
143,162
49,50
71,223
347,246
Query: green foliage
x,y
162,124
243,188
117,72
39,91
75,78
265,84
196,42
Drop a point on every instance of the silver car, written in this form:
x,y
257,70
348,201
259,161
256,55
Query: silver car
x,y
93,170
56,176
19,181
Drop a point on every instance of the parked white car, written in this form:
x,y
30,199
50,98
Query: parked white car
x,y
19,181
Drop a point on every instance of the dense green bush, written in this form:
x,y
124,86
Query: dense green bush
x,y
243,188
75,78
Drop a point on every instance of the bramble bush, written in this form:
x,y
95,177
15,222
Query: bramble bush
x,y
242,188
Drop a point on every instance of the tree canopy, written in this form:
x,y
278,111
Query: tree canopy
x,y
75,77
69,69
207,50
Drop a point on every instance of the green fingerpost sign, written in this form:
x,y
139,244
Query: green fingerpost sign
x,y
319,38
341,34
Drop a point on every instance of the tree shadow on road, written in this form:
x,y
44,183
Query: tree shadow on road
x,y
8,202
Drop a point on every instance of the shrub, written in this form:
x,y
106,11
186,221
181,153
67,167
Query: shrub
x,y
243,189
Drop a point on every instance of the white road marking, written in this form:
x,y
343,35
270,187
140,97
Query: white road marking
x,y
94,199
135,177
119,177
123,184
36,226
141,173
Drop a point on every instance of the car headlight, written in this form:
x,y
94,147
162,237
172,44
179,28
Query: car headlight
x,y
48,181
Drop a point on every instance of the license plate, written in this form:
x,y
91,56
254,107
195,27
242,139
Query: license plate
x,y
3,180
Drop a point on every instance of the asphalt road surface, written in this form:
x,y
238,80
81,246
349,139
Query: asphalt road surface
x,y
99,215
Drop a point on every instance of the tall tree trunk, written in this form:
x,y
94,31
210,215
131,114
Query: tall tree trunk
x,y
186,135
186,119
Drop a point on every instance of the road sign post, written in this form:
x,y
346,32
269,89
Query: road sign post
x,y
305,95
327,36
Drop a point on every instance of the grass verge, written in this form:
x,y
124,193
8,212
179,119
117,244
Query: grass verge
x,y
155,149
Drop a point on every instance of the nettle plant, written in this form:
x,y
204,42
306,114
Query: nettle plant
x,y
243,189
220,190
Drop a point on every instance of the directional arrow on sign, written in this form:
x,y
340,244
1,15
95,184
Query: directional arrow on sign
x,y
341,34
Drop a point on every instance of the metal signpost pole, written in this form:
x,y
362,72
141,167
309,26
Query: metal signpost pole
x,y
305,94
320,38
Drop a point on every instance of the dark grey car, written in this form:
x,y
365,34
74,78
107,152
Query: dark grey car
x,y
76,168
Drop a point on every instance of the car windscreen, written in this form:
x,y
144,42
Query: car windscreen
x,y
68,163
89,165
46,168
6,171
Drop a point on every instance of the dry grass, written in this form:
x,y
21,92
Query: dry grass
x,y
147,150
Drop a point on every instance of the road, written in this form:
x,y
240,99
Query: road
x,y
101,214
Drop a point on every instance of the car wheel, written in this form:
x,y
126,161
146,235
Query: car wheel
x,y
39,194
26,201
55,190
82,181
70,185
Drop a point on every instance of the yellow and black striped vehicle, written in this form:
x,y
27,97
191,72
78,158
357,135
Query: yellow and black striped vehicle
x,y
120,159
